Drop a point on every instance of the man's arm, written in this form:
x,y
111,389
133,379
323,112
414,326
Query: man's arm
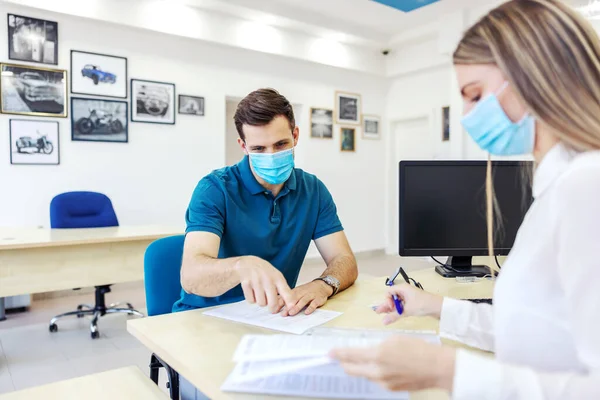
x,y
338,256
341,264
203,274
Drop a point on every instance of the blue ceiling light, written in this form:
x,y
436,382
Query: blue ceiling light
x,y
406,5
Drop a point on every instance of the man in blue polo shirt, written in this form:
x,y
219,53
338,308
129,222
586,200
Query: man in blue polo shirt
x,y
249,226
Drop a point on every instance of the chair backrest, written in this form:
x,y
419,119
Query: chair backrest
x,y
162,266
82,210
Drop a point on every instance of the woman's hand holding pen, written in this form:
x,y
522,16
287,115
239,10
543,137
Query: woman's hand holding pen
x,y
401,362
416,302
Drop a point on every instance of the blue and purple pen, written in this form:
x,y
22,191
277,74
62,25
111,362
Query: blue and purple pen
x,y
390,282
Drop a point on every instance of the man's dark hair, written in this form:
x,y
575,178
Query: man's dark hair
x,y
261,107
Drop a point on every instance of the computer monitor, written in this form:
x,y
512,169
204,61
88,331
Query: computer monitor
x,y
443,211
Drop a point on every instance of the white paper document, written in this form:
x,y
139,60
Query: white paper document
x,y
278,347
327,381
289,365
253,314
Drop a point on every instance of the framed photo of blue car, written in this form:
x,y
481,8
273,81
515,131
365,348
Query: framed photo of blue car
x,y
98,74
152,102
33,91
98,120
34,142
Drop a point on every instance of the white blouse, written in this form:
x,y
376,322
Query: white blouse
x,y
544,327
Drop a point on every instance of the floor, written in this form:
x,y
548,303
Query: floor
x,y
30,355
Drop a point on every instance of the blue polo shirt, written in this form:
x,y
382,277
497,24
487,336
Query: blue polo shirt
x,y
230,203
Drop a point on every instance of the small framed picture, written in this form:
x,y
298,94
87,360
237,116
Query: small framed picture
x,y
33,91
34,142
98,74
348,139
371,126
96,120
191,105
348,108
321,123
152,102
32,40
445,124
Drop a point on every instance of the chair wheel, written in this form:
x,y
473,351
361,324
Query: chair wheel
x,y
80,315
53,328
95,335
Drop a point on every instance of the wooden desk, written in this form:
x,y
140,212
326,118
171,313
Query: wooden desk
x,y
34,260
201,348
128,383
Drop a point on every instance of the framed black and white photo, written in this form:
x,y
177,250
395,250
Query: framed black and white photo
x,y
33,91
445,124
152,102
32,39
191,105
348,108
34,142
96,120
371,126
321,123
348,139
98,74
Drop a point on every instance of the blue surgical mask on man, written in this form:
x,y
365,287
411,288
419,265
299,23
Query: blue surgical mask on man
x,y
494,131
273,168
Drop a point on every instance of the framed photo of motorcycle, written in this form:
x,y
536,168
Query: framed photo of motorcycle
x,y
98,74
34,142
98,120
33,91
152,102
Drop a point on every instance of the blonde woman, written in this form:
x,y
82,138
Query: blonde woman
x,y
529,74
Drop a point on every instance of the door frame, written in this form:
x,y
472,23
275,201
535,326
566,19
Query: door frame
x,y
391,193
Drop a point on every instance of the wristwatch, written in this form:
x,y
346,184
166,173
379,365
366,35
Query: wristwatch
x,y
331,281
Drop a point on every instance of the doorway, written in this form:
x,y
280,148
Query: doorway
x,y
411,140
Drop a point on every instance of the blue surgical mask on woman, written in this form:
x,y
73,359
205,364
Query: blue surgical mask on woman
x,y
273,168
493,130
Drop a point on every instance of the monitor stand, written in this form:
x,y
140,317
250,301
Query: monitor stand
x,y
462,266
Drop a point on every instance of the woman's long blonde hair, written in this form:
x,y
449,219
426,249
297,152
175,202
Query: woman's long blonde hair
x,y
551,56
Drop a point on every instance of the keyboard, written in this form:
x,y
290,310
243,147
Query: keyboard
x,y
487,301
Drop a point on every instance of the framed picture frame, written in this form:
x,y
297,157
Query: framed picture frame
x,y
446,124
371,127
32,39
321,123
97,74
191,105
33,91
152,102
347,139
34,142
99,120
348,108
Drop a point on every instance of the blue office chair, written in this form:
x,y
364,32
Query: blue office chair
x,y
87,210
162,265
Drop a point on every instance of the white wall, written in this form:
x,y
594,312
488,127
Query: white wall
x,y
150,179
233,153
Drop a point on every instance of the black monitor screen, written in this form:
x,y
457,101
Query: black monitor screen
x,y
443,207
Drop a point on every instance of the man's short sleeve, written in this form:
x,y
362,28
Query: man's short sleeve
x,y
327,221
206,211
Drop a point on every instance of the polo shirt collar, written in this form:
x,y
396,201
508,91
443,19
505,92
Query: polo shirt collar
x,y
252,184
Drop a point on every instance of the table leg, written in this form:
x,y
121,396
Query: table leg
x,y
2,310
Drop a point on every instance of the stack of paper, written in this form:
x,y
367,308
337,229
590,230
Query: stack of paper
x,y
290,365
253,314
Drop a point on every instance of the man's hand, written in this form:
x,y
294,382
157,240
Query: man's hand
x,y
311,295
263,284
